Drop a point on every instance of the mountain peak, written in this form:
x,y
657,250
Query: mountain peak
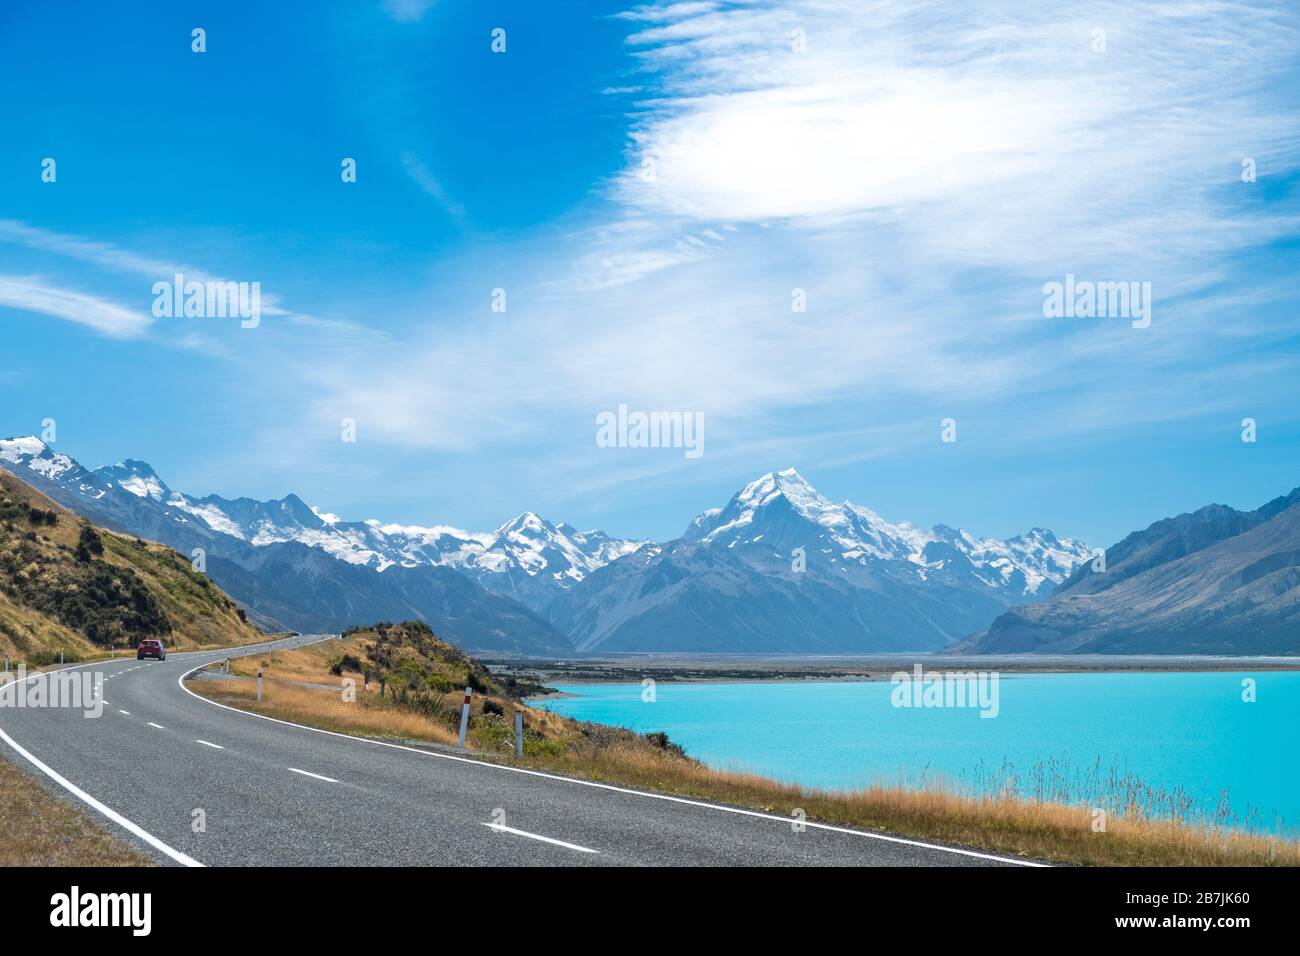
x,y
787,482
136,467
524,523
136,477
32,453
12,449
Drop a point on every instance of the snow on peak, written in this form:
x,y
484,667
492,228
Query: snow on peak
x,y
137,478
755,500
860,535
527,523
30,451
789,483
16,449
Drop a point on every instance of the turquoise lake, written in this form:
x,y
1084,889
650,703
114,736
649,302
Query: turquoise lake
x,y
1189,738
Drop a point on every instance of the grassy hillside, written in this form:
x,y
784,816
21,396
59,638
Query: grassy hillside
x,y
66,585
406,684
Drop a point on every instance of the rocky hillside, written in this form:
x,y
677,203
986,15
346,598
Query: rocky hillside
x,y
1214,581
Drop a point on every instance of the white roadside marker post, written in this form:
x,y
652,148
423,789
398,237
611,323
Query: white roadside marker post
x,y
60,657
519,733
464,717
259,685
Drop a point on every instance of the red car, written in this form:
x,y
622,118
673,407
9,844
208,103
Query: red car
x,y
151,649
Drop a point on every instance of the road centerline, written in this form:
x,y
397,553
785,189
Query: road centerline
x,y
502,828
315,776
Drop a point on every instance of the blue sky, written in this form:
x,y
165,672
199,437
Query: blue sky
x,y
920,171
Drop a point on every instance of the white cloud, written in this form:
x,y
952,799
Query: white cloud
x,y
407,11
919,172
32,294
978,135
118,261
430,184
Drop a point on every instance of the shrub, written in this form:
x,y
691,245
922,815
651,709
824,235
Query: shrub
x,y
39,517
660,739
348,662
89,544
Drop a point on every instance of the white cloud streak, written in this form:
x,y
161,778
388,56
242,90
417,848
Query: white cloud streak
x,y
919,172
32,294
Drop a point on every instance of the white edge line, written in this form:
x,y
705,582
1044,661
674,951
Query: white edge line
x,y
308,773
104,809
107,811
502,828
606,786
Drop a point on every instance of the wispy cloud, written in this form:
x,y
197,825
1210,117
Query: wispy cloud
x,y
918,173
32,294
430,184
407,11
1007,138
115,260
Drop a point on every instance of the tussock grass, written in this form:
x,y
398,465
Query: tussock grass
x,y
1006,823
366,717
41,830
1009,825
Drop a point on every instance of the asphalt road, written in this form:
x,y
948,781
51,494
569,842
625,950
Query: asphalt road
x,y
160,759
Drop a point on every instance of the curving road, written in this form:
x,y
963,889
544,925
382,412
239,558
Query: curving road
x,y
271,793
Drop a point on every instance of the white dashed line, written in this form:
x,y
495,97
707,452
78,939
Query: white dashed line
x,y
125,712
315,776
213,746
502,828
158,726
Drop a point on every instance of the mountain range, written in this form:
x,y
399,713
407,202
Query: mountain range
x,y
274,557
779,568
1213,581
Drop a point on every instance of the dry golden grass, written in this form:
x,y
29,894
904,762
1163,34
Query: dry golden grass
x,y
327,709
1045,831
308,664
41,830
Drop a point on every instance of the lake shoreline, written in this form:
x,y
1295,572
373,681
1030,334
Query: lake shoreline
x,y
704,670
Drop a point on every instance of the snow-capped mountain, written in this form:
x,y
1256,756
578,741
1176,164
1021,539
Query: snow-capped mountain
x,y
280,559
34,455
782,569
775,510
527,558
779,568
